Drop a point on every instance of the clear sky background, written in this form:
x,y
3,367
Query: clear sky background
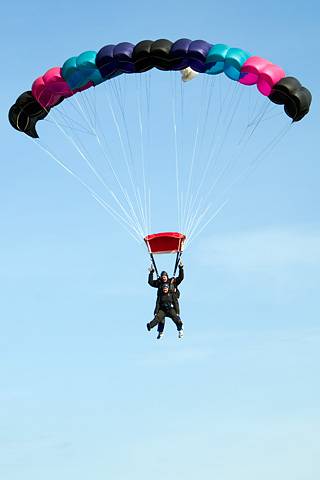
x,y
85,391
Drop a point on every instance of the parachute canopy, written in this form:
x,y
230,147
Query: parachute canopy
x,y
90,68
165,242
126,139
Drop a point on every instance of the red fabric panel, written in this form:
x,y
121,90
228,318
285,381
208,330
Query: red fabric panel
x,y
165,242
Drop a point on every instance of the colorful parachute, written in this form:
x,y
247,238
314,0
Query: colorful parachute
x,y
90,69
196,150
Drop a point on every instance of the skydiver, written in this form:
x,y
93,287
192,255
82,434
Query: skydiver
x,y
167,304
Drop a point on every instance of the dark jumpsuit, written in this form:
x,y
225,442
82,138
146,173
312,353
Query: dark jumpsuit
x,y
167,305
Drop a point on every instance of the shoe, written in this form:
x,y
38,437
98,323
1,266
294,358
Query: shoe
x,y
160,335
180,333
148,327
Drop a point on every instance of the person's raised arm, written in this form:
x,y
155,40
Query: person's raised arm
x,y
180,277
152,283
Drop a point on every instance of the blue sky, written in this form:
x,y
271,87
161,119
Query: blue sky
x,y
85,391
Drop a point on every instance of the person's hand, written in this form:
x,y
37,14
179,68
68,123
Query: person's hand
x,y
151,269
181,264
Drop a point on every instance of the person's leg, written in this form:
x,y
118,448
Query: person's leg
x,y
161,325
177,320
155,321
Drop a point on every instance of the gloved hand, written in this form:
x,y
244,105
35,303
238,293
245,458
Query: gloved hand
x,y
181,264
151,269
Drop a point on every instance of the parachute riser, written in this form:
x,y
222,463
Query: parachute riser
x,y
154,264
178,258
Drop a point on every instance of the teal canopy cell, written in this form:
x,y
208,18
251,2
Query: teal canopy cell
x,y
222,58
78,71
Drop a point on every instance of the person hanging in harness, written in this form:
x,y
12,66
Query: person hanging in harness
x,y
167,304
